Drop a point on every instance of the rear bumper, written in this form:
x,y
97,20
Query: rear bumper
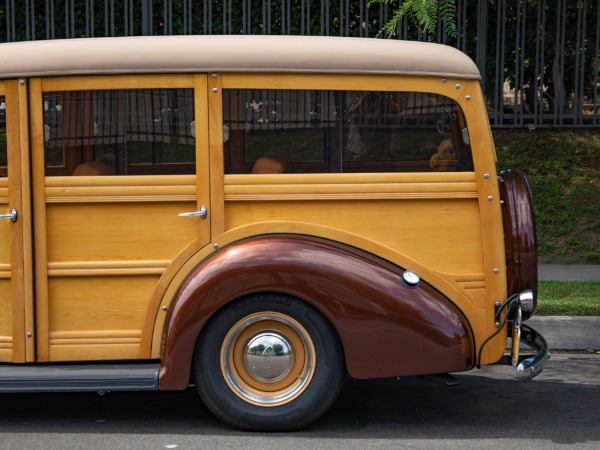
x,y
530,366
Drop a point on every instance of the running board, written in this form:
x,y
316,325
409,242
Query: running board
x,y
79,378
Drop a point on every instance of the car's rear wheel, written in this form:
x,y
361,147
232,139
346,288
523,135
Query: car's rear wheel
x,y
261,363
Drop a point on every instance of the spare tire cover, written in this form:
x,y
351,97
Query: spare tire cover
x,y
519,234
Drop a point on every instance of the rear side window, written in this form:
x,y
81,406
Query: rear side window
x,y
119,132
302,131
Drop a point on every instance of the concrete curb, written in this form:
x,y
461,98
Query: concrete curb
x,y
568,332
573,333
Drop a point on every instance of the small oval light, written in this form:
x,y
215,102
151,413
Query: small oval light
x,y
410,278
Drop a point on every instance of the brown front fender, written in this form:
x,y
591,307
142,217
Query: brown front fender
x,y
386,328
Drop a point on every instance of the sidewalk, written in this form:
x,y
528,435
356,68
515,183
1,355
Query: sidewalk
x,y
575,272
568,333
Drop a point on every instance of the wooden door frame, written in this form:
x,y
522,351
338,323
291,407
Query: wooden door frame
x,y
21,260
38,87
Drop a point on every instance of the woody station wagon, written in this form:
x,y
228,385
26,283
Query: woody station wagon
x,y
255,215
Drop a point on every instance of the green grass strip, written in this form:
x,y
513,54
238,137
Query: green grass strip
x,y
560,298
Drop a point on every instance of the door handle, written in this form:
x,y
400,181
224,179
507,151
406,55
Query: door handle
x,y
13,215
202,213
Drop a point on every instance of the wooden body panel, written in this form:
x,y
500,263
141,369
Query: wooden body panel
x,y
441,232
111,251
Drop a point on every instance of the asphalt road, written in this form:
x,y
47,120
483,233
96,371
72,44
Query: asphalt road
x,y
487,410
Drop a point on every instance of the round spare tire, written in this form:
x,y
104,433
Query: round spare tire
x,y
519,234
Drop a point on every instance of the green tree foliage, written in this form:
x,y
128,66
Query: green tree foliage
x,y
423,13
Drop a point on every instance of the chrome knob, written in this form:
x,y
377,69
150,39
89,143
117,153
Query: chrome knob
x,y
13,216
202,213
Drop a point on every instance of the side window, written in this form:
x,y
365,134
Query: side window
x,y
3,147
119,132
300,131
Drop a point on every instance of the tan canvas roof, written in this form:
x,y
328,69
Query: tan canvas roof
x,y
189,54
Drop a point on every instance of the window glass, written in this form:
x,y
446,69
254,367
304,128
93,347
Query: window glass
x,y
3,147
119,132
300,131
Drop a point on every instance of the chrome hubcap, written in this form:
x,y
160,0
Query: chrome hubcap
x,y
267,359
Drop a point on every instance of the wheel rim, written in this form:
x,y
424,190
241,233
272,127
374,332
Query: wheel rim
x,y
267,359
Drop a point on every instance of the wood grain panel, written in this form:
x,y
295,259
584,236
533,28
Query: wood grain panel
x,y
6,318
98,303
340,82
99,82
118,231
442,234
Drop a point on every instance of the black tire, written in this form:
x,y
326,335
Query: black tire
x,y
268,362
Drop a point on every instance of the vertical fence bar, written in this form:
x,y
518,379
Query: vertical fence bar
x,y
482,39
288,17
48,15
9,16
67,19
165,17
112,18
556,103
87,19
575,106
106,18
126,17
465,26
561,68
538,100
72,20
521,63
27,17
596,99
580,67
246,7
499,82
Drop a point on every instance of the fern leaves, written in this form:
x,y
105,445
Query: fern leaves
x,y
423,13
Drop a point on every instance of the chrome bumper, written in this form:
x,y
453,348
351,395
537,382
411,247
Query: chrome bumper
x,y
530,366
527,366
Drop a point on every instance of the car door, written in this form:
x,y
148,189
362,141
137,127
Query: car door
x,y
116,160
16,298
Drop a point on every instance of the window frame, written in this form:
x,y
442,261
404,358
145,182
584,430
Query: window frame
x,y
347,82
120,82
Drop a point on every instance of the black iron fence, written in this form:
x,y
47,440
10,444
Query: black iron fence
x,y
539,58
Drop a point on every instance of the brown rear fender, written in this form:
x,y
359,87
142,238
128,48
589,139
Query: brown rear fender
x,y
386,328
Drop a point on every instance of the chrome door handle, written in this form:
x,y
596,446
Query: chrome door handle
x,y
14,215
202,212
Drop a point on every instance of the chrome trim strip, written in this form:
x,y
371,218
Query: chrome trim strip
x,y
79,377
